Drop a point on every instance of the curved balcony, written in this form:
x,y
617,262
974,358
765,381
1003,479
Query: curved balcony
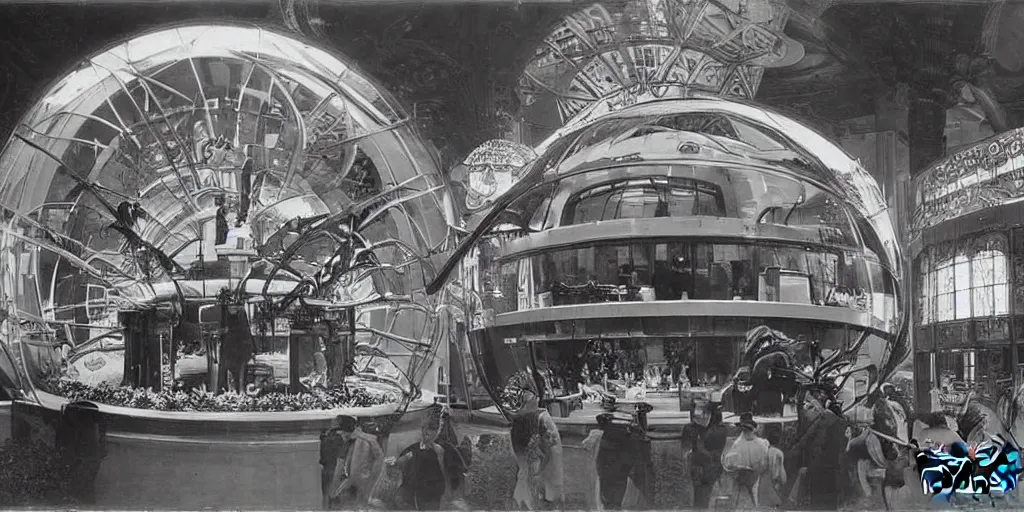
x,y
643,262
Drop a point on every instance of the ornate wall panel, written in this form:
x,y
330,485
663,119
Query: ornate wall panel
x,y
619,51
953,335
990,330
988,174
923,340
1017,259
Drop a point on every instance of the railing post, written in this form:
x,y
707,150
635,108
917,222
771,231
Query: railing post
x,y
81,441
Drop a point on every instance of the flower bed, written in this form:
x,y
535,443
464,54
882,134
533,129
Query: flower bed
x,y
205,401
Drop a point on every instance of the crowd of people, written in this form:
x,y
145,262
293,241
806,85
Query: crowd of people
x,y
832,463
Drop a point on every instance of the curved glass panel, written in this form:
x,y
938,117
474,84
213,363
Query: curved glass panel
x,y
223,207
693,269
644,198
758,199
807,155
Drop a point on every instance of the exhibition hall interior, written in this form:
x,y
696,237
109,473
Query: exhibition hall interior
x,y
631,254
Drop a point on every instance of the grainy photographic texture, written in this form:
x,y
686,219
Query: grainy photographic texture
x,y
511,254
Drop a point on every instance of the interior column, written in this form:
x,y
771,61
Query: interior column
x,y
926,126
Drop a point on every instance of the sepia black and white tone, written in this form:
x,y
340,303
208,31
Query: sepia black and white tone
x,y
508,254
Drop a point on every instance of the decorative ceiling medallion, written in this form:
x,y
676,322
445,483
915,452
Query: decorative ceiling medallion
x,y
664,48
489,171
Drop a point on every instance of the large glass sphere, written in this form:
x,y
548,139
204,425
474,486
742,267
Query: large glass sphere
x,y
219,195
668,245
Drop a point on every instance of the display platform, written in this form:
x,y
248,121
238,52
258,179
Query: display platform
x,y
201,460
665,417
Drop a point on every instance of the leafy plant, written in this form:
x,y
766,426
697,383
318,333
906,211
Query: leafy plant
x,y
205,401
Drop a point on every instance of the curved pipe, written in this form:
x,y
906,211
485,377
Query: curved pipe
x,y
153,131
297,155
993,110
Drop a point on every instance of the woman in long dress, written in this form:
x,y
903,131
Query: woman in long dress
x,y
744,464
538,450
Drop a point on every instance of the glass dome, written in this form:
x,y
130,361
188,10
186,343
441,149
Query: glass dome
x,y
669,230
220,207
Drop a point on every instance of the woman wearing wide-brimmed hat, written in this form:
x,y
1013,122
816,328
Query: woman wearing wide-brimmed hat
x,y
538,449
744,463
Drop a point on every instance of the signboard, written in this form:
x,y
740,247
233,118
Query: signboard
x,y
282,326
953,401
278,327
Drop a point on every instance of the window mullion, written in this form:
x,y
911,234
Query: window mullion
x,y
970,285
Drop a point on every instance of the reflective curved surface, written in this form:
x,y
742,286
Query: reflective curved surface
x,y
220,207
682,221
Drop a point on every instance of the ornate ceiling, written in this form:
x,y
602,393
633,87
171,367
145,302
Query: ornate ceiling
x,y
854,52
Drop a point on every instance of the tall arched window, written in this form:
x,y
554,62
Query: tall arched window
x,y
968,281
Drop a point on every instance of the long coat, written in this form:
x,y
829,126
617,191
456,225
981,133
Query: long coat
x,y
538,449
362,469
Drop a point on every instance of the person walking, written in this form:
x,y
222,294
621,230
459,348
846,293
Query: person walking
x,y
357,475
424,479
708,436
538,450
334,447
433,469
744,464
771,490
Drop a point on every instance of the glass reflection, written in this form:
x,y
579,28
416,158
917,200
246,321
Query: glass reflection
x,y
774,203
640,199
216,207
644,270
661,356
